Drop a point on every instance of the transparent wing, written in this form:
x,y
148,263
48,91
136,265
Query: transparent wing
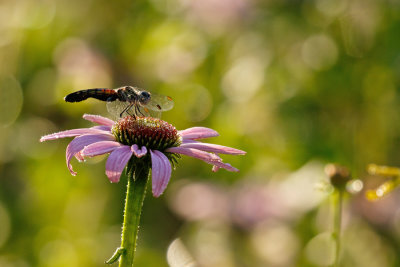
x,y
160,102
119,109
115,108
144,111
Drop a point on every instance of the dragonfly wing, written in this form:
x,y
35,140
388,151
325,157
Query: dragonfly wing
x,y
160,102
115,108
144,111
153,108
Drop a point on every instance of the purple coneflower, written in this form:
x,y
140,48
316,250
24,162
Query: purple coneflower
x,y
142,142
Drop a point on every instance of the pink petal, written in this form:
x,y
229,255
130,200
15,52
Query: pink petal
x,y
79,156
102,127
79,143
139,152
72,133
188,141
204,156
192,152
160,172
100,148
99,120
198,133
214,148
117,161
226,166
215,168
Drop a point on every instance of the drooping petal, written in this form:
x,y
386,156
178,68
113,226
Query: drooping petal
x,y
214,148
198,133
117,161
139,152
79,156
192,152
160,172
209,158
226,166
99,119
72,133
76,145
215,168
100,148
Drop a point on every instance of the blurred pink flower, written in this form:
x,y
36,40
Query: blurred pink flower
x,y
217,16
155,139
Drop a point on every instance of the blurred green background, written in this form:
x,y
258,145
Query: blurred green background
x,y
296,84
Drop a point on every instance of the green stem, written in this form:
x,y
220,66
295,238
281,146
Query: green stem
x,y
337,223
135,194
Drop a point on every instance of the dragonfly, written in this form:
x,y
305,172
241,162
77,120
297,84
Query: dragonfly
x,y
126,100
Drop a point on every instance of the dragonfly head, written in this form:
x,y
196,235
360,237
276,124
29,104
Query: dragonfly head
x,y
144,97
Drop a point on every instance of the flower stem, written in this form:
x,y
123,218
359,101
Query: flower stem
x,y
136,191
337,223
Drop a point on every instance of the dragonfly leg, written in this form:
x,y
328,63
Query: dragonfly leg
x,y
126,110
132,114
138,111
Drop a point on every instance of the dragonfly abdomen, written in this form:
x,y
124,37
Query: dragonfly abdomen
x,y
98,93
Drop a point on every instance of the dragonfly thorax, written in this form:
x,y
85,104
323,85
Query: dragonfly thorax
x,y
133,94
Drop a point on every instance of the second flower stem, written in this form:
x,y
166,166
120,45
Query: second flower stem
x,y
136,191
337,223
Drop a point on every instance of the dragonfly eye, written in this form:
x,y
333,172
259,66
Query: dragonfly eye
x,y
145,94
144,97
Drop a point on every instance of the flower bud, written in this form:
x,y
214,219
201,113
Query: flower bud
x,y
338,175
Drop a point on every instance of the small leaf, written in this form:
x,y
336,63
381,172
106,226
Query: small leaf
x,y
115,256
